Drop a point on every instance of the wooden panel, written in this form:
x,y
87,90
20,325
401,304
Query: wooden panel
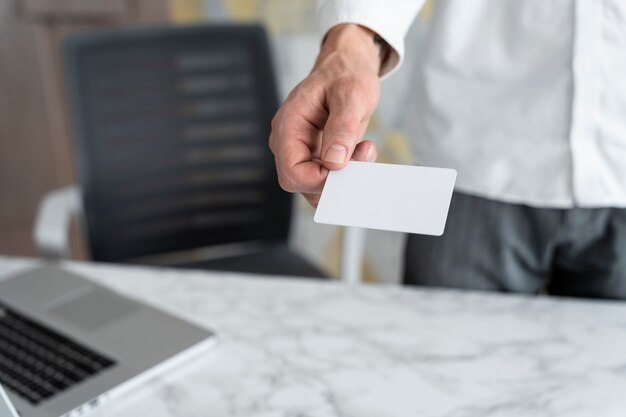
x,y
26,169
15,242
150,11
35,143
73,9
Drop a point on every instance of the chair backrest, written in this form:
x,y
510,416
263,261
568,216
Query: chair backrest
x,y
171,127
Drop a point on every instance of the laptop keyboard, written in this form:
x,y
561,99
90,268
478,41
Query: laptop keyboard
x,y
37,362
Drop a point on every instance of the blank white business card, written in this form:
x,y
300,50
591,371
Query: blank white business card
x,y
399,198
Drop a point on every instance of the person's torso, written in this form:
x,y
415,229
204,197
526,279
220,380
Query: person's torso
x,y
527,99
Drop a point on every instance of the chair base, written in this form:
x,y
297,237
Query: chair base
x,y
279,260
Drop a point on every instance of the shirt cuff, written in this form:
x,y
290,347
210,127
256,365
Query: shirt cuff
x,y
391,20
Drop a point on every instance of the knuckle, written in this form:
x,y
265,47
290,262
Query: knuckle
x,y
285,183
345,124
276,119
271,143
357,89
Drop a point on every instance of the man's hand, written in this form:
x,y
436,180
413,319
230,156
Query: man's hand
x,y
321,124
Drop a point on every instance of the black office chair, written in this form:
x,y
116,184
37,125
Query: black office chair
x,y
171,127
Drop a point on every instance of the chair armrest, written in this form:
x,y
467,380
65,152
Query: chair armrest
x,y
51,231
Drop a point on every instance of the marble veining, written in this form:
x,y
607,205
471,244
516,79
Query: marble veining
x,y
296,348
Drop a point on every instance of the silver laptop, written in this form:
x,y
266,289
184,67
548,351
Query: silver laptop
x,y
68,345
6,408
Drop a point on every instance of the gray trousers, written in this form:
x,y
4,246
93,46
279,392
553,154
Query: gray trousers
x,y
495,246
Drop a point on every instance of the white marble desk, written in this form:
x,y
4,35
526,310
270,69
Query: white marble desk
x,y
291,348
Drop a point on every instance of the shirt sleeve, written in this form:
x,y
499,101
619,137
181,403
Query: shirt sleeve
x,y
390,19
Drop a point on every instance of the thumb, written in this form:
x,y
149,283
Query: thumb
x,y
342,131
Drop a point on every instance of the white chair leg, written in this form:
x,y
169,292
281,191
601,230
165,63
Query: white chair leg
x,y
353,248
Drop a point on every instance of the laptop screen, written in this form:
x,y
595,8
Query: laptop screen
x,y
6,408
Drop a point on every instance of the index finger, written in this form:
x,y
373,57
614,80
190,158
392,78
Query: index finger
x,y
295,143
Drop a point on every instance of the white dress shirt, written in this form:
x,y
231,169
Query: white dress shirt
x,y
525,98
